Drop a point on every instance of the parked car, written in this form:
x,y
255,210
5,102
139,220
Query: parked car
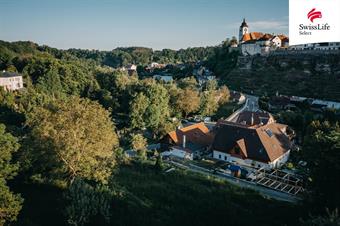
x,y
198,118
207,119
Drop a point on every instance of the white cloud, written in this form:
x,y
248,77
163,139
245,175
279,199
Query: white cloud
x,y
264,25
268,25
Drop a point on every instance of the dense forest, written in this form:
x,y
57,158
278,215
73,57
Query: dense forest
x,y
62,142
116,58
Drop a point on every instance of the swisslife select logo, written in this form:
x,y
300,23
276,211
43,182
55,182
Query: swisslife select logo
x,y
312,15
314,21
309,28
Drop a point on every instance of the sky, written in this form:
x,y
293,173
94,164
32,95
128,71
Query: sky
x,y
158,24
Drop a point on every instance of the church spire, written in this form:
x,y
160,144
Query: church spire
x,y
244,29
244,23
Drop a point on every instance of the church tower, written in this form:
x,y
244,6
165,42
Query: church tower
x,y
243,30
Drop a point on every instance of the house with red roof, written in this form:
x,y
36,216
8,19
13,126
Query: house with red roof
x,y
262,146
188,142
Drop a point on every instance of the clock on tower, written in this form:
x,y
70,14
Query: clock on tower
x,y
243,30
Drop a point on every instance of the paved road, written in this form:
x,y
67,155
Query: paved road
x,y
251,104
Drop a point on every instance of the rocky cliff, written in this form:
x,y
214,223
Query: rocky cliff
x,y
307,73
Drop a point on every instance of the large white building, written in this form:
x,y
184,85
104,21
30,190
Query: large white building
x,y
11,81
252,43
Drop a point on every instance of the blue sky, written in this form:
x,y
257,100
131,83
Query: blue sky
x,y
107,24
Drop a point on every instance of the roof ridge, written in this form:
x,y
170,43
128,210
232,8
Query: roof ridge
x,y
222,122
196,125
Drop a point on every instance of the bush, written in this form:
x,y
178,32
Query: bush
x,y
86,202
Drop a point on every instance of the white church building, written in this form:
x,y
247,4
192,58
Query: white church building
x,y
252,43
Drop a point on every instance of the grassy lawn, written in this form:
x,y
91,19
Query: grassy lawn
x,y
184,198
150,197
205,163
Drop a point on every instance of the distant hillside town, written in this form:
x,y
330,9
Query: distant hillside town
x,y
252,43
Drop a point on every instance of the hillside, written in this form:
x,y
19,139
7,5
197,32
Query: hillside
x,y
302,74
145,196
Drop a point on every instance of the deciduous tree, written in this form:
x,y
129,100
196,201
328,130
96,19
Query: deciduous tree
x,y
138,107
73,138
209,104
157,112
188,101
224,95
322,151
10,204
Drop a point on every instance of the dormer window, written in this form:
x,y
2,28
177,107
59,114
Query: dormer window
x,y
269,132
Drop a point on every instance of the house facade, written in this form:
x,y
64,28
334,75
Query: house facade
x,y
131,69
237,97
11,81
249,162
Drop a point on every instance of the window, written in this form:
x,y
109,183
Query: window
x,y
219,156
225,158
269,132
237,150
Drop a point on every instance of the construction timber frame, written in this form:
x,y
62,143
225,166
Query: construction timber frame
x,y
280,181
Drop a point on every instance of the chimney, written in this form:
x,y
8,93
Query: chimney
x,y
184,141
252,119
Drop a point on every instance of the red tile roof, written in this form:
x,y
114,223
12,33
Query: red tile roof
x,y
197,133
251,36
265,143
250,118
265,37
283,37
